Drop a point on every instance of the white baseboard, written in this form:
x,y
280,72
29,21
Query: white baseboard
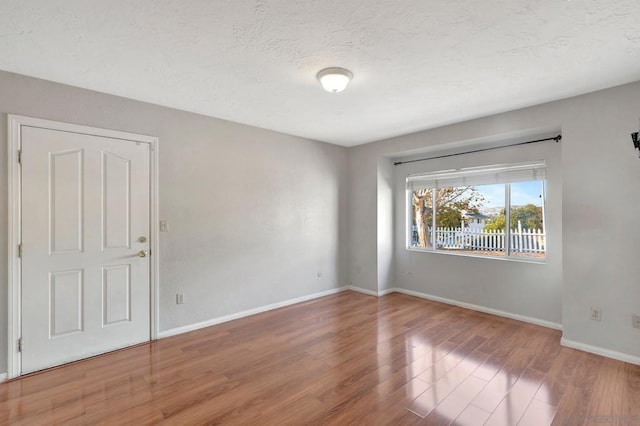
x,y
371,292
362,290
536,321
3,377
248,312
631,359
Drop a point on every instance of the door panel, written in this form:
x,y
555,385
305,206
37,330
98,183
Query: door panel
x,y
116,192
116,291
65,201
85,203
65,302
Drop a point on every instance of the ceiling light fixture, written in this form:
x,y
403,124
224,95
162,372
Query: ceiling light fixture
x,y
334,79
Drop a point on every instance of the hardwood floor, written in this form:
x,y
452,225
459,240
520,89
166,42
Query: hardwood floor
x,y
342,359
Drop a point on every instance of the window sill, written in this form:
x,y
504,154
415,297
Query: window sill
x,y
539,261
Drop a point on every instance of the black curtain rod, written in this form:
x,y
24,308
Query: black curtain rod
x,y
555,138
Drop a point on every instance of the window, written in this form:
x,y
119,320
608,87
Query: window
x,y
481,211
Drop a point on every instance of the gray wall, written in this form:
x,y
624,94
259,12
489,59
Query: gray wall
x,y
600,202
254,215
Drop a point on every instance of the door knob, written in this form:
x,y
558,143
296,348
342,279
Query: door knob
x,y
142,253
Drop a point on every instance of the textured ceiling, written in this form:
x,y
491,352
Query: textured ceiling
x,y
417,64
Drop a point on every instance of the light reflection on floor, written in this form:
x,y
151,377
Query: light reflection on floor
x,y
466,388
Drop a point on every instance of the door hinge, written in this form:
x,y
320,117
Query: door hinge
x,y
20,251
20,156
20,344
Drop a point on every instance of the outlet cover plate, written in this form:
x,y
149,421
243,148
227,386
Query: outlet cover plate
x,y
635,321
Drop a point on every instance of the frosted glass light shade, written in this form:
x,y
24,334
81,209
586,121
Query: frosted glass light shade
x,y
335,79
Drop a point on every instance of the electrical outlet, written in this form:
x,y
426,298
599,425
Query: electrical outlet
x,y
164,226
635,321
179,299
596,313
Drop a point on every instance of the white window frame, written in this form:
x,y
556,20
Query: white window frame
x,y
493,174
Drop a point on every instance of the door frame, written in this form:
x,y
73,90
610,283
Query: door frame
x,y
14,128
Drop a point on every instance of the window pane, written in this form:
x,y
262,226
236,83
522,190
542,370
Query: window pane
x,y
528,237
421,218
468,220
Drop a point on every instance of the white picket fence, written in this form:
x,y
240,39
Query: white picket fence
x,y
522,240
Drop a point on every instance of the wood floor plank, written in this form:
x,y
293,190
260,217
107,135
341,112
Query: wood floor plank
x,y
457,401
575,403
538,413
517,400
631,394
609,383
472,416
558,377
504,381
347,358
445,385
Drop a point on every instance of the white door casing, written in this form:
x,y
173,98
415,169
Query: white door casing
x,y
87,200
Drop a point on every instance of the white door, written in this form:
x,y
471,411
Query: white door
x,y
85,229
